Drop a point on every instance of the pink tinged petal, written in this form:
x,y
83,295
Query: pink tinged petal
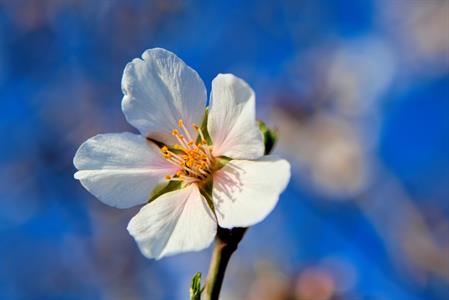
x,y
176,222
232,119
160,89
120,169
245,192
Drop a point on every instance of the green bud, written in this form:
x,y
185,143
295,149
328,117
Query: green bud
x,y
269,137
195,288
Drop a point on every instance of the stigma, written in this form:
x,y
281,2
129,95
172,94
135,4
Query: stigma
x,y
192,156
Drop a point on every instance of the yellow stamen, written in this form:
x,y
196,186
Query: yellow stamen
x,y
186,132
194,159
200,132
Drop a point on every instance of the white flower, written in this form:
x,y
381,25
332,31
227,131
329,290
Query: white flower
x,y
165,100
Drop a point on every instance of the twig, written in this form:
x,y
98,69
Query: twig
x,y
226,243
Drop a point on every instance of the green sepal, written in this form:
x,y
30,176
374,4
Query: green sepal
x,y
159,144
206,190
269,137
195,288
165,188
221,161
204,128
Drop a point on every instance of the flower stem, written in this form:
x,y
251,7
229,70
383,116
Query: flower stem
x,y
226,243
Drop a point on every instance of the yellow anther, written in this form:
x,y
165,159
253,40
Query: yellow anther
x,y
193,159
164,149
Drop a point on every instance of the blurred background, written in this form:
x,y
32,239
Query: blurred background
x,y
358,90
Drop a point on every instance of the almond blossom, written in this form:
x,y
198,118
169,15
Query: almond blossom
x,y
166,101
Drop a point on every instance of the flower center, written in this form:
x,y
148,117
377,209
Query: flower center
x,y
194,158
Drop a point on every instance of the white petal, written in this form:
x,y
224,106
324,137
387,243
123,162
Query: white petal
x,y
245,192
120,169
176,222
232,119
160,89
